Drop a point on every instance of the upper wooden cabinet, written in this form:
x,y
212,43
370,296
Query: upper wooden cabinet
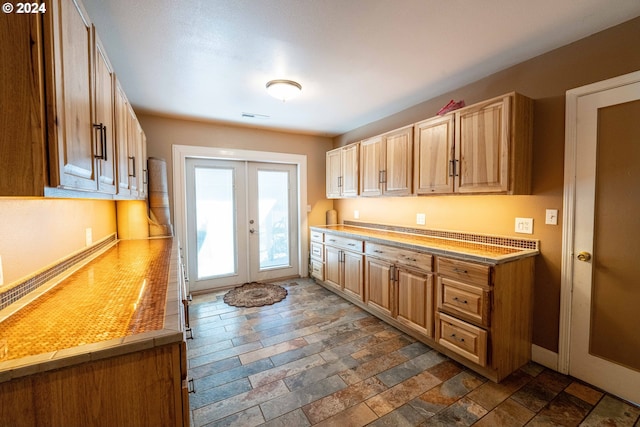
x,y
482,148
493,146
60,134
433,167
386,163
104,120
342,171
70,70
122,140
137,164
22,141
485,148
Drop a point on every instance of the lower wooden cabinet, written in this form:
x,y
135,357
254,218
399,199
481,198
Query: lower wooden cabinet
x,y
142,388
415,300
344,268
478,314
402,293
462,338
379,285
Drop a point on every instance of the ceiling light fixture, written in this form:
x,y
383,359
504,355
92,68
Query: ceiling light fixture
x,y
283,89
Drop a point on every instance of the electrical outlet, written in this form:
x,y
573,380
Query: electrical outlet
x,y
356,214
524,225
551,217
1,275
88,236
421,219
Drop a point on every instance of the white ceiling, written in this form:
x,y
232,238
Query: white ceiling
x,y
357,60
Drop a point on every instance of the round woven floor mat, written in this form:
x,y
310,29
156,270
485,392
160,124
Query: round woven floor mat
x,y
255,294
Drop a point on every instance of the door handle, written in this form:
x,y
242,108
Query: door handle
x,y
252,230
584,256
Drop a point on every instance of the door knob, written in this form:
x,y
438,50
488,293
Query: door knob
x,y
251,230
584,256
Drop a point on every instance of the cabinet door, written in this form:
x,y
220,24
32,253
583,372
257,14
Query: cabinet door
x,y
353,281
433,167
137,155
482,147
104,120
370,167
22,141
122,141
334,171
397,160
349,179
71,134
332,273
379,286
415,300
144,168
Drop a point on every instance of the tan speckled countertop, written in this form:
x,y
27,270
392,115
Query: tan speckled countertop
x,y
126,299
454,248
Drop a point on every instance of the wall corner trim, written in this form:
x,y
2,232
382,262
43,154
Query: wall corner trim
x,y
544,357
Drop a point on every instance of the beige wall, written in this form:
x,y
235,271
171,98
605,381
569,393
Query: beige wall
x,y
545,79
164,132
38,232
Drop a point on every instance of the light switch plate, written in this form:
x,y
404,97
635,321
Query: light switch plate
x,y
421,219
551,217
524,225
356,214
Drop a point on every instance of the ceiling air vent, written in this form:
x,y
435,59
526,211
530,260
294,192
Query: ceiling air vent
x,y
254,116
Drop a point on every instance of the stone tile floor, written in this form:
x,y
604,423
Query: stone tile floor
x,y
316,359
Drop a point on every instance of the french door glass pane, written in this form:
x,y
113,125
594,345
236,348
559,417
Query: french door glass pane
x,y
215,207
273,221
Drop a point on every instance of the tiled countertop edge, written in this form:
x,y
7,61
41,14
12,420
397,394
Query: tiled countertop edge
x,y
523,253
171,333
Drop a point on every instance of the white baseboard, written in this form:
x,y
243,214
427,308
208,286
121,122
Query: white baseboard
x,y
544,357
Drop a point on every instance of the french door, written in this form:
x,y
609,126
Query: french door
x,y
241,222
603,170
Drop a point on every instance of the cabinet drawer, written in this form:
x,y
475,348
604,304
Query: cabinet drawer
x,y
317,236
462,338
317,251
317,269
472,303
400,256
468,272
344,242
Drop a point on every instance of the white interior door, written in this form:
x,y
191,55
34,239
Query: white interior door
x,y
604,347
242,222
273,219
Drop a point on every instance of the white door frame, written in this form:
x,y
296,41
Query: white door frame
x,y
181,152
568,223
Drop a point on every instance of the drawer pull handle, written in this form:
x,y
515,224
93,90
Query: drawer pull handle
x,y
411,259
463,301
332,240
377,251
456,338
460,270
351,244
